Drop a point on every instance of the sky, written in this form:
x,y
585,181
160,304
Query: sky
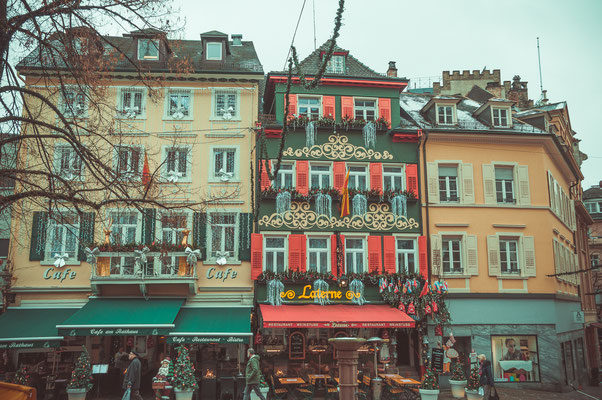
x,y
428,37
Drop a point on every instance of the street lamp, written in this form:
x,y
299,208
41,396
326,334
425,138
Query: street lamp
x,y
343,281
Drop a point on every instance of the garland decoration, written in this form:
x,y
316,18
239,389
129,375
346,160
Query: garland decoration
x,y
369,134
357,286
275,288
321,287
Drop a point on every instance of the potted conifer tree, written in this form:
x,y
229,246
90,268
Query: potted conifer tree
x,y
183,381
472,388
458,380
81,378
429,388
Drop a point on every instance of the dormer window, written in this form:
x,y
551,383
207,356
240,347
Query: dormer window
x,y
214,50
148,49
500,117
445,114
336,65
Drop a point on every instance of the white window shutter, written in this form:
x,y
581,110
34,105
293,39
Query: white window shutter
x,y
572,214
529,256
467,184
551,191
436,255
489,185
472,255
493,255
556,257
432,172
524,196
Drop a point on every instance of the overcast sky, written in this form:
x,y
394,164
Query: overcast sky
x,y
427,37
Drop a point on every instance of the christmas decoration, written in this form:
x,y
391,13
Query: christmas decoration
x,y
283,202
183,372
91,255
399,205
222,257
473,379
141,256
430,381
324,204
321,286
411,309
21,377
458,372
369,134
310,134
427,309
81,377
401,307
357,286
438,330
359,204
192,256
59,260
275,287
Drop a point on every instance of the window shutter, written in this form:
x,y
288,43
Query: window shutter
x,y
529,252
149,219
376,177
489,185
86,234
556,256
265,179
423,257
339,170
39,226
436,266
551,191
433,182
467,184
412,178
297,258
384,109
389,254
199,232
245,228
374,254
347,107
493,254
303,177
472,255
333,246
573,224
256,255
292,105
328,106
576,268
524,196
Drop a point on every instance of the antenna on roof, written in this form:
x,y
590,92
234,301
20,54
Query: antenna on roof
x,y
539,61
314,4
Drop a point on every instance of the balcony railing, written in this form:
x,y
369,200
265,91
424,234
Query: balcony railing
x,y
159,267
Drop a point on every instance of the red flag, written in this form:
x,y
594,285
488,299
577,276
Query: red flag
x,y
345,200
425,289
146,178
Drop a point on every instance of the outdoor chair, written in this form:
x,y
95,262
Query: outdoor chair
x,y
306,392
277,392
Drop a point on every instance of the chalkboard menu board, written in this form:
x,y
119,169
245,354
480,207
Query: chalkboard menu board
x,y
437,359
296,346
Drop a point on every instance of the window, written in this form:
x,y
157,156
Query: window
x,y
445,115
406,256
284,180
358,177
132,102
179,103
225,104
124,227
275,252
594,259
214,50
223,235
74,103
393,178
365,109
309,107
68,164
177,160
336,65
509,256
504,184
173,226
224,163
507,351
318,254
448,183
320,176
594,207
148,49
64,233
452,255
355,249
500,117
128,161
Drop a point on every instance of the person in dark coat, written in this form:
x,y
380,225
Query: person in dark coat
x,y
253,376
486,378
132,376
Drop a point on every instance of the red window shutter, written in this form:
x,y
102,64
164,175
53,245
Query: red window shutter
x,y
374,254
422,257
292,105
389,254
297,253
384,109
376,176
347,107
339,169
303,177
333,246
265,179
328,106
256,255
412,178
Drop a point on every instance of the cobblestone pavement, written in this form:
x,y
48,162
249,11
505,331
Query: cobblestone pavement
x,y
514,394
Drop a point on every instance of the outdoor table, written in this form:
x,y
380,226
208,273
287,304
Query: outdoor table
x,y
389,376
337,381
313,378
291,381
401,381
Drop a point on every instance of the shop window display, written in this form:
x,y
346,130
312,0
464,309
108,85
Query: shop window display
x,y
515,358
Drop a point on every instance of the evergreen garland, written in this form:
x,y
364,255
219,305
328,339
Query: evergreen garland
x,y
430,381
81,377
473,379
170,372
458,372
183,371
21,377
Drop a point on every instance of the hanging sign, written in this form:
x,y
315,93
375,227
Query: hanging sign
x,y
437,359
113,331
208,339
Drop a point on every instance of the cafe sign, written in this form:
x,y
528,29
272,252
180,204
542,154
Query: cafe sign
x,y
113,331
30,344
207,339
308,294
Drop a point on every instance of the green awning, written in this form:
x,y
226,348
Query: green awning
x,y
212,325
123,317
32,327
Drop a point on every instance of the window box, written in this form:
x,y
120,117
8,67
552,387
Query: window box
x,y
348,124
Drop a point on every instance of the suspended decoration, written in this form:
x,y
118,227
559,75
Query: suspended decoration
x,y
357,286
141,256
321,286
173,176
222,257
359,204
192,256
275,288
369,132
59,260
310,134
324,204
401,307
91,255
225,176
283,202
399,205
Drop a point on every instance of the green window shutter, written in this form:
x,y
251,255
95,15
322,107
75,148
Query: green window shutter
x,y
149,220
37,247
86,234
199,233
245,228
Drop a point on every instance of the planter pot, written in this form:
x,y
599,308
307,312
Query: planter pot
x,y
76,394
264,391
473,395
457,388
428,394
183,394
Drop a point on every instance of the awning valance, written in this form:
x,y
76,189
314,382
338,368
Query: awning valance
x,y
32,327
120,317
212,325
334,316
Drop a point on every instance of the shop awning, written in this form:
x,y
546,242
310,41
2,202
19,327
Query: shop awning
x,y
334,316
120,317
30,328
212,325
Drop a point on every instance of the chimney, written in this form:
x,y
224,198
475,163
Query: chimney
x,y
392,71
237,39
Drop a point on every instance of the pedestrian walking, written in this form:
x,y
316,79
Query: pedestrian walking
x,y
253,375
132,376
486,378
